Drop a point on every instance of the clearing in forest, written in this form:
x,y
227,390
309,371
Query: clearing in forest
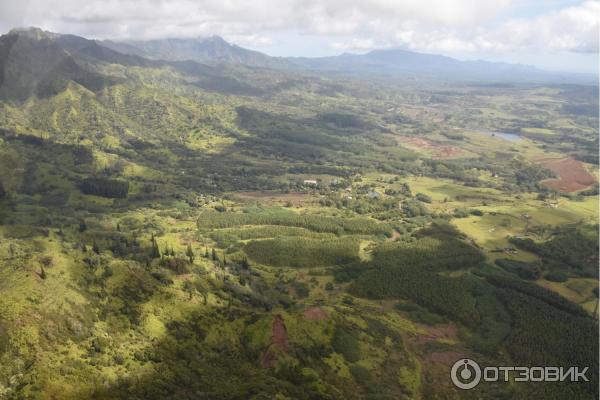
x,y
572,174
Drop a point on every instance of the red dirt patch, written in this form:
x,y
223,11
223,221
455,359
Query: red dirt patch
x,y
437,149
435,373
315,313
572,175
445,358
279,342
184,277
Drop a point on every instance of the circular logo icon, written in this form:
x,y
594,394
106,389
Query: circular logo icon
x,y
465,374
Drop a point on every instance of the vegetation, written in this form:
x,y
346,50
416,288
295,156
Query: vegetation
x,y
283,217
105,187
412,271
303,252
575,248
161,234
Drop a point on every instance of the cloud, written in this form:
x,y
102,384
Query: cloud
x,y
425,25
152,18
250,40
572,29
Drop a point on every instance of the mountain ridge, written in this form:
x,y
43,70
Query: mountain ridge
x,y
393,62
377,64
202,49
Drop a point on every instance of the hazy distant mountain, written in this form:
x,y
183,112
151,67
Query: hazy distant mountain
x,y
392,63
34,62
396,63
210,49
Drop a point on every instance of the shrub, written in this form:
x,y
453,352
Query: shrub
x,y
345,343
423,197
110,188
556,276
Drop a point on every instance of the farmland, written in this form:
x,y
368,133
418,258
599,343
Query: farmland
x,y
191,231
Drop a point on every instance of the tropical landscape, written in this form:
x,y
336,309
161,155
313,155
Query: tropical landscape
x,y
189,219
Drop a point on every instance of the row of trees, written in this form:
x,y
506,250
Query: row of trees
x,y
111,188
317,223
543,334
303,252
411,271
576,248
535,291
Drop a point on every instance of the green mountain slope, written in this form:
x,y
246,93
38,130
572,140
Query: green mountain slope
x,y
175,229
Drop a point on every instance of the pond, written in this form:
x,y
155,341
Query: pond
x,y
511,137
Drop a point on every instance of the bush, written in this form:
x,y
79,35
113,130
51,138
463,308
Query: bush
x,y
360,374
344,343
556,276
423,197
110,188
461,213
419,314
524,270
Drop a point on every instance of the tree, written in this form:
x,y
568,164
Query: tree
x,y
214,255
206,255
46,261
42,272
110,188
190,253
95,248
155,252
244,263
188,287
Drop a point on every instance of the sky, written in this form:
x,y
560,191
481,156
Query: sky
x,y
550,34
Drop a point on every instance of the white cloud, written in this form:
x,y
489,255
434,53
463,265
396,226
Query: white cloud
x,y
250,40
573,29
425,25
152,18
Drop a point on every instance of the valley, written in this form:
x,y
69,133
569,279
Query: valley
x,y
219,230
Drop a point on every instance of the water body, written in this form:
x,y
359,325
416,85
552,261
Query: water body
x,y
511,137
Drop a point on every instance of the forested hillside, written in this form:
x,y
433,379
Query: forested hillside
x,y
171,228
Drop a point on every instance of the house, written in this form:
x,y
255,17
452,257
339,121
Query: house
x,y
310,182
510,250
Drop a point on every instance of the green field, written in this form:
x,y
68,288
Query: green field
x,y
190,230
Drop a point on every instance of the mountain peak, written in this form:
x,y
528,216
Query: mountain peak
x,y
34,33
201,49
215,39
